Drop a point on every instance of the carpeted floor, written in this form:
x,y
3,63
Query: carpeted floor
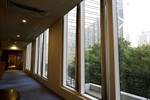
x,y
29,88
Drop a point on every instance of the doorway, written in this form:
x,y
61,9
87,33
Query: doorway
x,y
11,61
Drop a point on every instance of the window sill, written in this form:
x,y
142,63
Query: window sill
x,y
69,88
93,90
44,78
86,96
90,97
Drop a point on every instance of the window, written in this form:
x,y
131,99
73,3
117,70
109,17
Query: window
x,y
41,54
36,55
134,48
28,56
92,48
45,53
126,31
70,48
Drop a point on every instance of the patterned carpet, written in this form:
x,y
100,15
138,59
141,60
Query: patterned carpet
x,y
29,88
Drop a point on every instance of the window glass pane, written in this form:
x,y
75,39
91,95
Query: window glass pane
x,y
71,48
45,55
28,56
134,48
36,55
40,54
92,48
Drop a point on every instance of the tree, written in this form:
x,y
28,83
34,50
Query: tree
x,y
71,69
93,64
123,47
134,63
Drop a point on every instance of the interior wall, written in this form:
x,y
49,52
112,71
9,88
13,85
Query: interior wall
x,y
24,59
1,69
0,52
55,64
33,55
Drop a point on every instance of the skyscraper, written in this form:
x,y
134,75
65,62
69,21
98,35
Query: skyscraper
x,y
144,38
120,16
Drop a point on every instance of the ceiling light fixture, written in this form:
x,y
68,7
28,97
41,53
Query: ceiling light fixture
x,y
18,35
24,21
15,42
14,48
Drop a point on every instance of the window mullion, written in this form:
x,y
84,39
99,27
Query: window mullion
x,y
65,49
112,80
80,49
103,50
107,48
116,55
82,36
78,53
38,45
42,54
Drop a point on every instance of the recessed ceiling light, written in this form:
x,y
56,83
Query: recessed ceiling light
x,y
15,42
14,47
24,21
18,35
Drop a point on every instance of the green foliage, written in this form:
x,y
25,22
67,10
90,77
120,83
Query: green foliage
x,y
123,46
93,64
71,69
134,65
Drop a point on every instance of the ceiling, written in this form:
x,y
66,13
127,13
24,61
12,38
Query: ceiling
x,y
39,15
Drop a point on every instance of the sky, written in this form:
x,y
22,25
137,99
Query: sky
x,y
136,18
